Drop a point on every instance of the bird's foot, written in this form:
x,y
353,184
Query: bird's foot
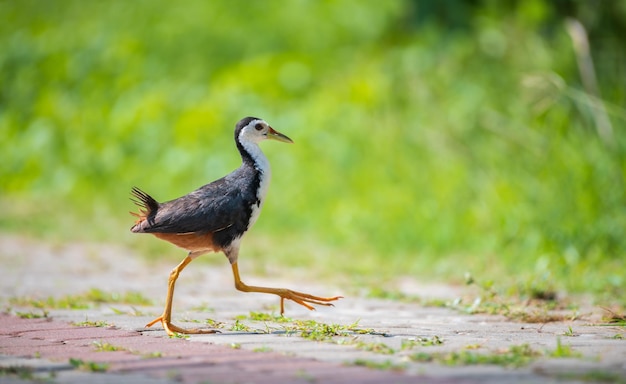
x,y
304,299
172,329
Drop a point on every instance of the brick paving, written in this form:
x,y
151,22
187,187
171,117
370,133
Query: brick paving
x,y
181,360
38,350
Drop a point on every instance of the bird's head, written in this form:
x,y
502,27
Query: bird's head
x,y
253,129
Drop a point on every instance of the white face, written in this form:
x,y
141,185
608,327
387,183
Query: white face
x,y
255,131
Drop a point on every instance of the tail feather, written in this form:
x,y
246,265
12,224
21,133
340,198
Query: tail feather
x,y
147,206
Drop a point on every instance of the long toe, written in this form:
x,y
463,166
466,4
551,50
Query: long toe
x,y
157,320
172,329
306,300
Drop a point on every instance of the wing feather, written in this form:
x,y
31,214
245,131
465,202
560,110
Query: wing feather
x,y
211,208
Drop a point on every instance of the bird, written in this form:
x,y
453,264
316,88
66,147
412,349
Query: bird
x,y
215,217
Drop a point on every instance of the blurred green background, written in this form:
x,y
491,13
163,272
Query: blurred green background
x,y
432,138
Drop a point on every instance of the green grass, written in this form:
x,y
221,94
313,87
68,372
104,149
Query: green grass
x,y
595,376
570,332
89,299
380,348
238,326
614,317
33,315
513,356
21,372
152,355
102,346
563,350
414,342
265,317
317,331
92,323
522,304
423,148
338,334
90,366
179,336
532,302
383,366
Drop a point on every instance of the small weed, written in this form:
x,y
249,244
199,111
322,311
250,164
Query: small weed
x,y
174,375
51,303
538,289
436,303
84,301
420,342
24,373
366,331
177,335
563,351
313,330
261,316
348,335
384,366
131,298
570,332
133,312
214,324
87,323
262,349
152,355
32,315
538,316
423,357
90,366
618,336
240,327
380,348
594,376
514,356
302,374
534,309
210,322
613,317
235,345
106,347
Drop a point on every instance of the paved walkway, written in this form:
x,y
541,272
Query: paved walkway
x,y
393,342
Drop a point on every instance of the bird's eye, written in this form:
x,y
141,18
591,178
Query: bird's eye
x,y
258,127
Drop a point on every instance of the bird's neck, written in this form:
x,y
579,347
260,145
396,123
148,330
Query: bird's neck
x,y
251,154
253,157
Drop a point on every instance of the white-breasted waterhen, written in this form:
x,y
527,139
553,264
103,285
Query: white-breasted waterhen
x,y
215,217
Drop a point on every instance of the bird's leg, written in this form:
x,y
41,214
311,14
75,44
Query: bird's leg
x,y
166,317
303,299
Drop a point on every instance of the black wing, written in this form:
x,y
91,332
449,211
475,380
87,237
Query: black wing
x,y
222,204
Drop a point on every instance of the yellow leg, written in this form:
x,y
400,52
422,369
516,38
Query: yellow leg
x,y
166,317
303,299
